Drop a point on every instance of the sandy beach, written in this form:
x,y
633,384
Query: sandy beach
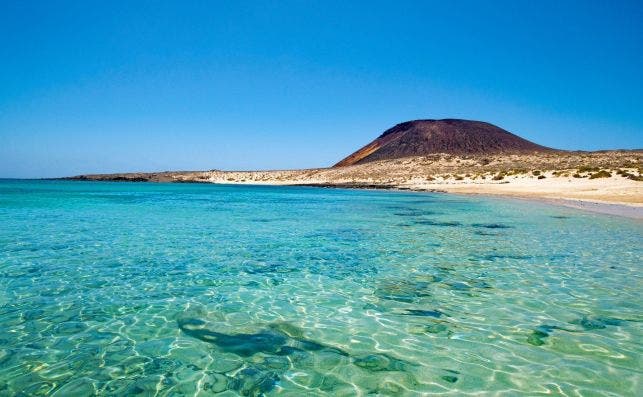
x,y
607,181
614,195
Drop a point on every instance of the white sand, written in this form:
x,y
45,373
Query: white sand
x,y
615,195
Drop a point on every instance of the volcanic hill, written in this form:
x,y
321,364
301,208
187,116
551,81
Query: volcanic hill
x,y
452,136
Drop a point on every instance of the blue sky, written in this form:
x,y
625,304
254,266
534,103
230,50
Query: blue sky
x,y
143,86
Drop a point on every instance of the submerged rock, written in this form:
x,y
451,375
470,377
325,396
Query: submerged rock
x,y
458,286
403,290
589,323
253,381
449,378
241,344
381,362
484,233
413,212
287,328
277,363
537,337
423,313
280,339
436,223
491,225
332,383
438,328
277,348
493,257
215,383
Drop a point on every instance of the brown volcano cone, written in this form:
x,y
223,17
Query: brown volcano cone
x,y
452,136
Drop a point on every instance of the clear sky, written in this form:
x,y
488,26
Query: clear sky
x,y
110,86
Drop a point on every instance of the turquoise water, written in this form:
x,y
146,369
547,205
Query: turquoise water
x,y
185,289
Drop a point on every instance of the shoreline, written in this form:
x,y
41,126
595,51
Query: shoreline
x,y
608,182
620,209
625,210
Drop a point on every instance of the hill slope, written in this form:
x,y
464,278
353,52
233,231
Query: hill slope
x,y
453,136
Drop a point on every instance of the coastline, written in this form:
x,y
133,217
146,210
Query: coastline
x,y
622,209
608,182
625,210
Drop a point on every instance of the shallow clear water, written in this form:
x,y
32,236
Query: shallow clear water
x,y
160,289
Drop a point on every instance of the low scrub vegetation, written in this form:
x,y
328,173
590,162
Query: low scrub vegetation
x,y
628,175
600,174
587,168
485,161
